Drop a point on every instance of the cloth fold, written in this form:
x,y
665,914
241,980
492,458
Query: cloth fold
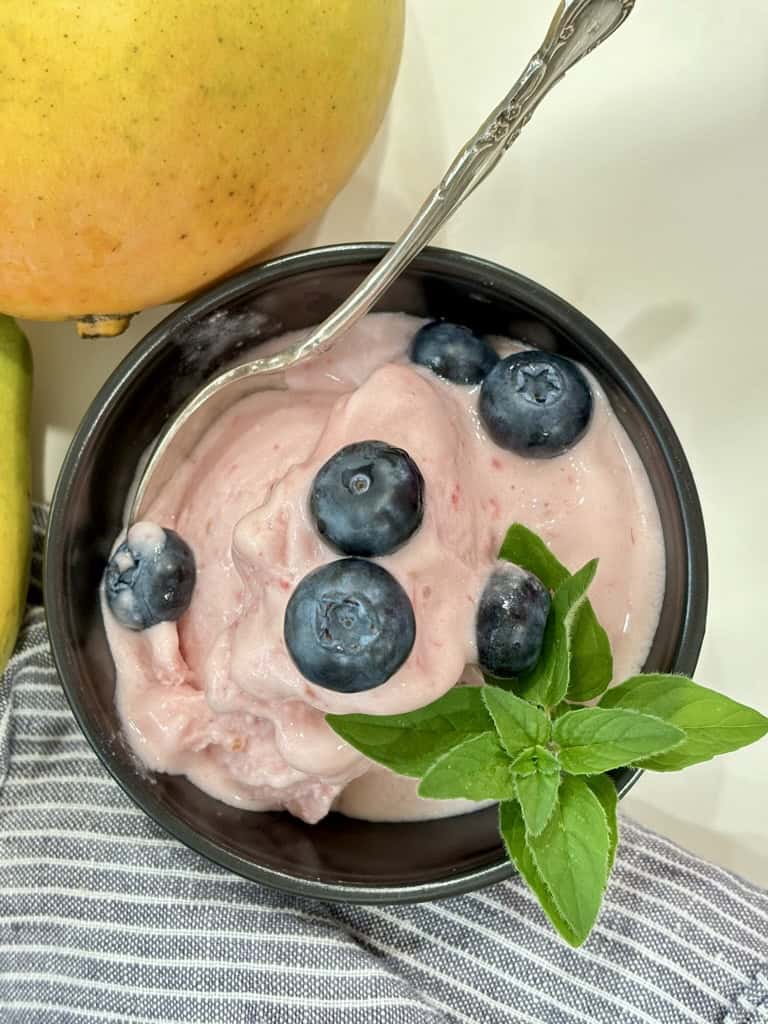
x,y
104,917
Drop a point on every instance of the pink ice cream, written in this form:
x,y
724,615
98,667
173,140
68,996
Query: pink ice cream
x,y
216,696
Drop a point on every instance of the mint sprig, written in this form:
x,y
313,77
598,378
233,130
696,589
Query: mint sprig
x,y
528,744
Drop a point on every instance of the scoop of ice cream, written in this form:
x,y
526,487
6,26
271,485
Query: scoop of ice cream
x,y
217,697
278,542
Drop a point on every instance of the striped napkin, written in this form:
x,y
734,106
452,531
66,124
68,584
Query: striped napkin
x,y
103,917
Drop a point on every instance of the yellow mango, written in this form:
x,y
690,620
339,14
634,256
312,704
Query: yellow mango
x,y
15,517
151,148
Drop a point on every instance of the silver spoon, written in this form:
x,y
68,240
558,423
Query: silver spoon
x,y
578,27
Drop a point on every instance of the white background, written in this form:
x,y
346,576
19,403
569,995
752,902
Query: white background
x,y
639,194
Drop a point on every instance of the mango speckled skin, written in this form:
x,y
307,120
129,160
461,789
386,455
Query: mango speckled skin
x,y
150,148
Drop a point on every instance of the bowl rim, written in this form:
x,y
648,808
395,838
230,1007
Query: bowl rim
x,y
442,261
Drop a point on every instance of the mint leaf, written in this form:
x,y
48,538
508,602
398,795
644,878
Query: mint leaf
x,y
477,769
537,759
537,684
512,828
591,659
713,724
410,743
571,592
593,740
547,682
571,855
537,796
525,549
519,724
605,791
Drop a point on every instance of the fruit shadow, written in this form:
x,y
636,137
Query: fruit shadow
x,y
654,329
69,371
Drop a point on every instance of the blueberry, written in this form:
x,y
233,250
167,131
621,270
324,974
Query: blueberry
x,y
535,403
150,578
511,618
349,625
368,499
453,352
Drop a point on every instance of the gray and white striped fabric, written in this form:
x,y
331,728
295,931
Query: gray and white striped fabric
x,y
103,917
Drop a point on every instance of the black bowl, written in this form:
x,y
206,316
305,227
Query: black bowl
x,y
339,858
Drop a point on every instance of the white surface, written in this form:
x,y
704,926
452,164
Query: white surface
x,y
639,194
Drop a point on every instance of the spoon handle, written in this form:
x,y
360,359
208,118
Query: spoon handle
x,y
578,27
